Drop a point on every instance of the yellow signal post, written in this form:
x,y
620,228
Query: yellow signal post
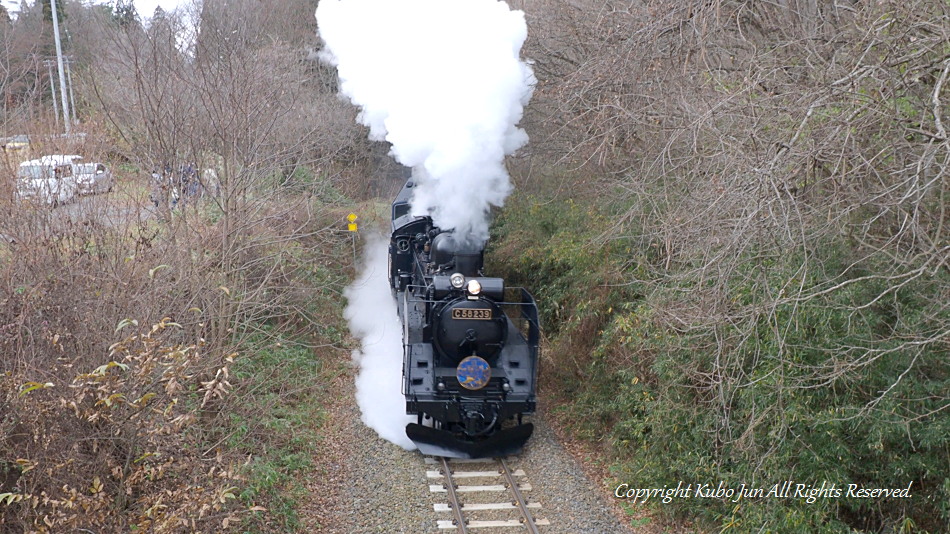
x,y
352,227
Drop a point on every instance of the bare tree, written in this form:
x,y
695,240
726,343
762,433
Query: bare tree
x,y
785,168
234,107
184,290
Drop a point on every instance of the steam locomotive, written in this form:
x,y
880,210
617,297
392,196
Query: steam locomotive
x,y
470,344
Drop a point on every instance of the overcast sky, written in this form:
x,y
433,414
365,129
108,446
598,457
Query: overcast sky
x,y
145,8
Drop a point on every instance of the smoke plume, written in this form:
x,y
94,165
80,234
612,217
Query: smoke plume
x,y
443,83
371,312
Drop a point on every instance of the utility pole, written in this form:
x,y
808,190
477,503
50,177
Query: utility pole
x,y
59,65
52,88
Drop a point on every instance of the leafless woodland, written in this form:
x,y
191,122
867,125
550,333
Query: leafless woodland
x,y
783,187
758,129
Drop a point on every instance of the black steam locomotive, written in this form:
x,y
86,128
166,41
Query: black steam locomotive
x,y
470,344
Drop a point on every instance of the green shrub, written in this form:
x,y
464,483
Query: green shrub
x,y
787,389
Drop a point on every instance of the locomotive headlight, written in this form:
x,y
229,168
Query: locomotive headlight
x,y
457,280
474,287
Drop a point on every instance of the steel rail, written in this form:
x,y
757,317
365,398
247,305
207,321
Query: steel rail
x,y
453,497
519,499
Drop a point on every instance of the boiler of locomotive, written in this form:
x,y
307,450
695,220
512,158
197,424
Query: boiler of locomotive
x,y
466,320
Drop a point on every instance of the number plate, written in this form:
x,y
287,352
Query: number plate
x,y
471,313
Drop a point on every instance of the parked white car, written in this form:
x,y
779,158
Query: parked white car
x,y
92,178
48,180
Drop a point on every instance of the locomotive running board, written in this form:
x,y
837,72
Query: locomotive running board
x,y
442,443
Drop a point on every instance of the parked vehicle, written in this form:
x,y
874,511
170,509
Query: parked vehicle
x,y
48,180
93,178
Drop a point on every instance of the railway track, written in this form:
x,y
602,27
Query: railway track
x,y
482,494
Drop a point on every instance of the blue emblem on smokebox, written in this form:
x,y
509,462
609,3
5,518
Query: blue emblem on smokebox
x,y
473,373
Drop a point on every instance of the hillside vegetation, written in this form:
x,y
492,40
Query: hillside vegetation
x,y
741,250
164,350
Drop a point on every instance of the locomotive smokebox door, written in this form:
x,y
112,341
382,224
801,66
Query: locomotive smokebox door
x,y
470,327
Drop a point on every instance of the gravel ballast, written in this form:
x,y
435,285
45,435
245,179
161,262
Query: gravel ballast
x,y
368,485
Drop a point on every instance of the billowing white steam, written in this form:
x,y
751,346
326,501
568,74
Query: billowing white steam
x,y
371,312
442,81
